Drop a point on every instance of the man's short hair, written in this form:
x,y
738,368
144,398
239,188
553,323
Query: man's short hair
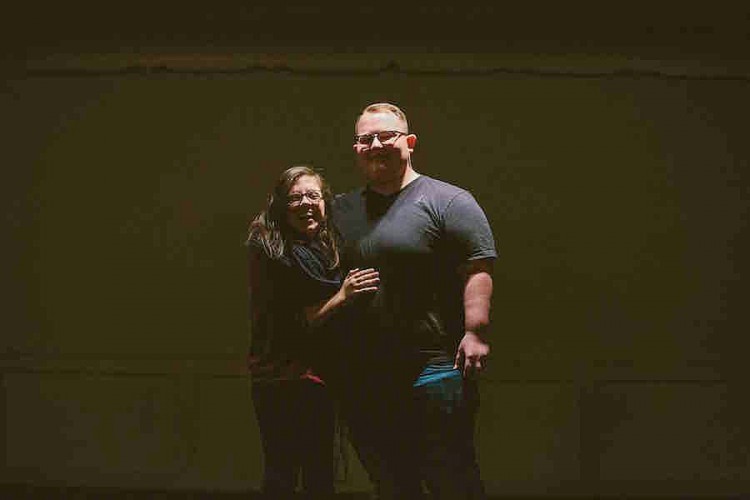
x,y
383,107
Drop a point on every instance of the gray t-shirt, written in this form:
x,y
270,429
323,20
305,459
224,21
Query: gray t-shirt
x,y
417,239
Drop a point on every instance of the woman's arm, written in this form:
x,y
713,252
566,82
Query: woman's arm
x,y
254,284
356,282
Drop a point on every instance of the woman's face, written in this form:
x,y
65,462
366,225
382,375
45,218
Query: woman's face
x,y
305,208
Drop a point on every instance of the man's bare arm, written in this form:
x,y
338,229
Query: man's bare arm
x,y
477,292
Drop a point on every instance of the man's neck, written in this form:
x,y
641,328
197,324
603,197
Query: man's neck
x,y
388,188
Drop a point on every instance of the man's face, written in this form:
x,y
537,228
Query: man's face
x,y
383,162
305,209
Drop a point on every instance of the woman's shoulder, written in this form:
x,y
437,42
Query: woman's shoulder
x,y
256,250
262,256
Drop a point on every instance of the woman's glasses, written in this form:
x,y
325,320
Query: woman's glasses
x,y
295,199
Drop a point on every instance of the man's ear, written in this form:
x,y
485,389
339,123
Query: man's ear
x,y
411,141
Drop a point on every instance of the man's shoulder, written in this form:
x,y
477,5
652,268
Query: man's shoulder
x,y
440,190
346,205
348,198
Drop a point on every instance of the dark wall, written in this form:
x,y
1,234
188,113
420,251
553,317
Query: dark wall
x,y
603,193
616,185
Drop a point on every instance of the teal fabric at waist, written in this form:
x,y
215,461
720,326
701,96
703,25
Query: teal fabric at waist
x,y
436,372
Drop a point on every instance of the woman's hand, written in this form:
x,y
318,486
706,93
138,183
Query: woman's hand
x,y
359,281
356,282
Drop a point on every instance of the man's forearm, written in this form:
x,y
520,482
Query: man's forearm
x,y
477,296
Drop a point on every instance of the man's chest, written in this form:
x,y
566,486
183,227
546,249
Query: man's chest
x,y
407,228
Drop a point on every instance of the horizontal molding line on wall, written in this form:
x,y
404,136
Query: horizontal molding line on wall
x,y
509,372
390,69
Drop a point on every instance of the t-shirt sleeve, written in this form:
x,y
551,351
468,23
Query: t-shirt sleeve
x,y
468,229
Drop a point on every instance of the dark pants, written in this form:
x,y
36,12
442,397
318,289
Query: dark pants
x,y
417,437
296,422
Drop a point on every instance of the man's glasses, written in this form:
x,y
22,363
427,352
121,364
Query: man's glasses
x,y
295,199
384,137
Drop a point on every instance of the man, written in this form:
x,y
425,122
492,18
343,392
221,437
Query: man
x,y
415,346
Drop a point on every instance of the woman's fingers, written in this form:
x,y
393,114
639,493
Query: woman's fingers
x,y
363,274
367,284
363,280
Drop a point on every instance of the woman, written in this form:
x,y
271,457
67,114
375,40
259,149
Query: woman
x,y
295,283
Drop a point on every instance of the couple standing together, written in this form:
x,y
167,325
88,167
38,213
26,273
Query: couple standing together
x,y
378,300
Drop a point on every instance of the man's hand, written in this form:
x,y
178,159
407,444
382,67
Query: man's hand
x,y
471,354
472,350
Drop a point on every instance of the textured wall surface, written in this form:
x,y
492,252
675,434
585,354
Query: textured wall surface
x,y
616,182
